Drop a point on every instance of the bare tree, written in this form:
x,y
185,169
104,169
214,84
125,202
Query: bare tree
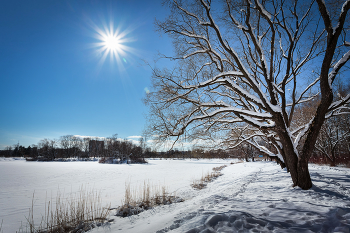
x,y
252,63
47,148
72,145
112,145
335,132
331,136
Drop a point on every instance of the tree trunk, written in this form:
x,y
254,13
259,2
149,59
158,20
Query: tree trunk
x,y
291,159
333,159
299,171
304,179
296,166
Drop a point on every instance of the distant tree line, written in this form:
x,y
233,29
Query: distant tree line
x,y
70,146
112,148
197,152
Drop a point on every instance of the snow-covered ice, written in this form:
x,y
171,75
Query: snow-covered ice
x,y
19,180
248,197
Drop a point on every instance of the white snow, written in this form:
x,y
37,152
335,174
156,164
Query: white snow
x,y
252,197
340,63
268,15
20,179
248,197
3,159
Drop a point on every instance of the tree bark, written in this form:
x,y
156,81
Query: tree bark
x,y
299,170
290,157
296,166
333,158
304,179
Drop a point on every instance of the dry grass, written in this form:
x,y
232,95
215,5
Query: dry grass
x,y
208,177
144,198
76,212
218,169
240,161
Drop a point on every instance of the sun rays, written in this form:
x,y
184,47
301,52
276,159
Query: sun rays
x,y
112,43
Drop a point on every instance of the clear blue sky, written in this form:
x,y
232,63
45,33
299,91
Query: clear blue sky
x,y
53,78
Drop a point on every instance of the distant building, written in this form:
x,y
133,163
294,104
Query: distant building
x,y
96,148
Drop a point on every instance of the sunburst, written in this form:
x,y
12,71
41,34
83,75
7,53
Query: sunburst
x,y
111,43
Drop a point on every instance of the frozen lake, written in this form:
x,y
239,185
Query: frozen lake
x,y
19,180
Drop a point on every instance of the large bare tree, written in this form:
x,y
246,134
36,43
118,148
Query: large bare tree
x,y
250,63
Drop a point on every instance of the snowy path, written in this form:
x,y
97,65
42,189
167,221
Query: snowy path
x,y
252,197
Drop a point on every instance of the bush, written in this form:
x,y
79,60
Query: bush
x,y
209,177
145,198
132,160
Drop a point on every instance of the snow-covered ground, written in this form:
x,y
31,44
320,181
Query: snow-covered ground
x,y
19,180
249,197
252,197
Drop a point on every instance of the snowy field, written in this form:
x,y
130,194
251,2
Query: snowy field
x,y
19,180
249,197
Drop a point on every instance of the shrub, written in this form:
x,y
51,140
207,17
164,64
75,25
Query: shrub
x,y
208,177
137,201
132,160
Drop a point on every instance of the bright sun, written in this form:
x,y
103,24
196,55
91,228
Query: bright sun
x,y
112,42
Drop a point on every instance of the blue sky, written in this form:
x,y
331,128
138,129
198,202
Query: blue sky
x,y
54,81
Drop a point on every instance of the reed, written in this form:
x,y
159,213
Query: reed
x,y
207,178
146,197
78,211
